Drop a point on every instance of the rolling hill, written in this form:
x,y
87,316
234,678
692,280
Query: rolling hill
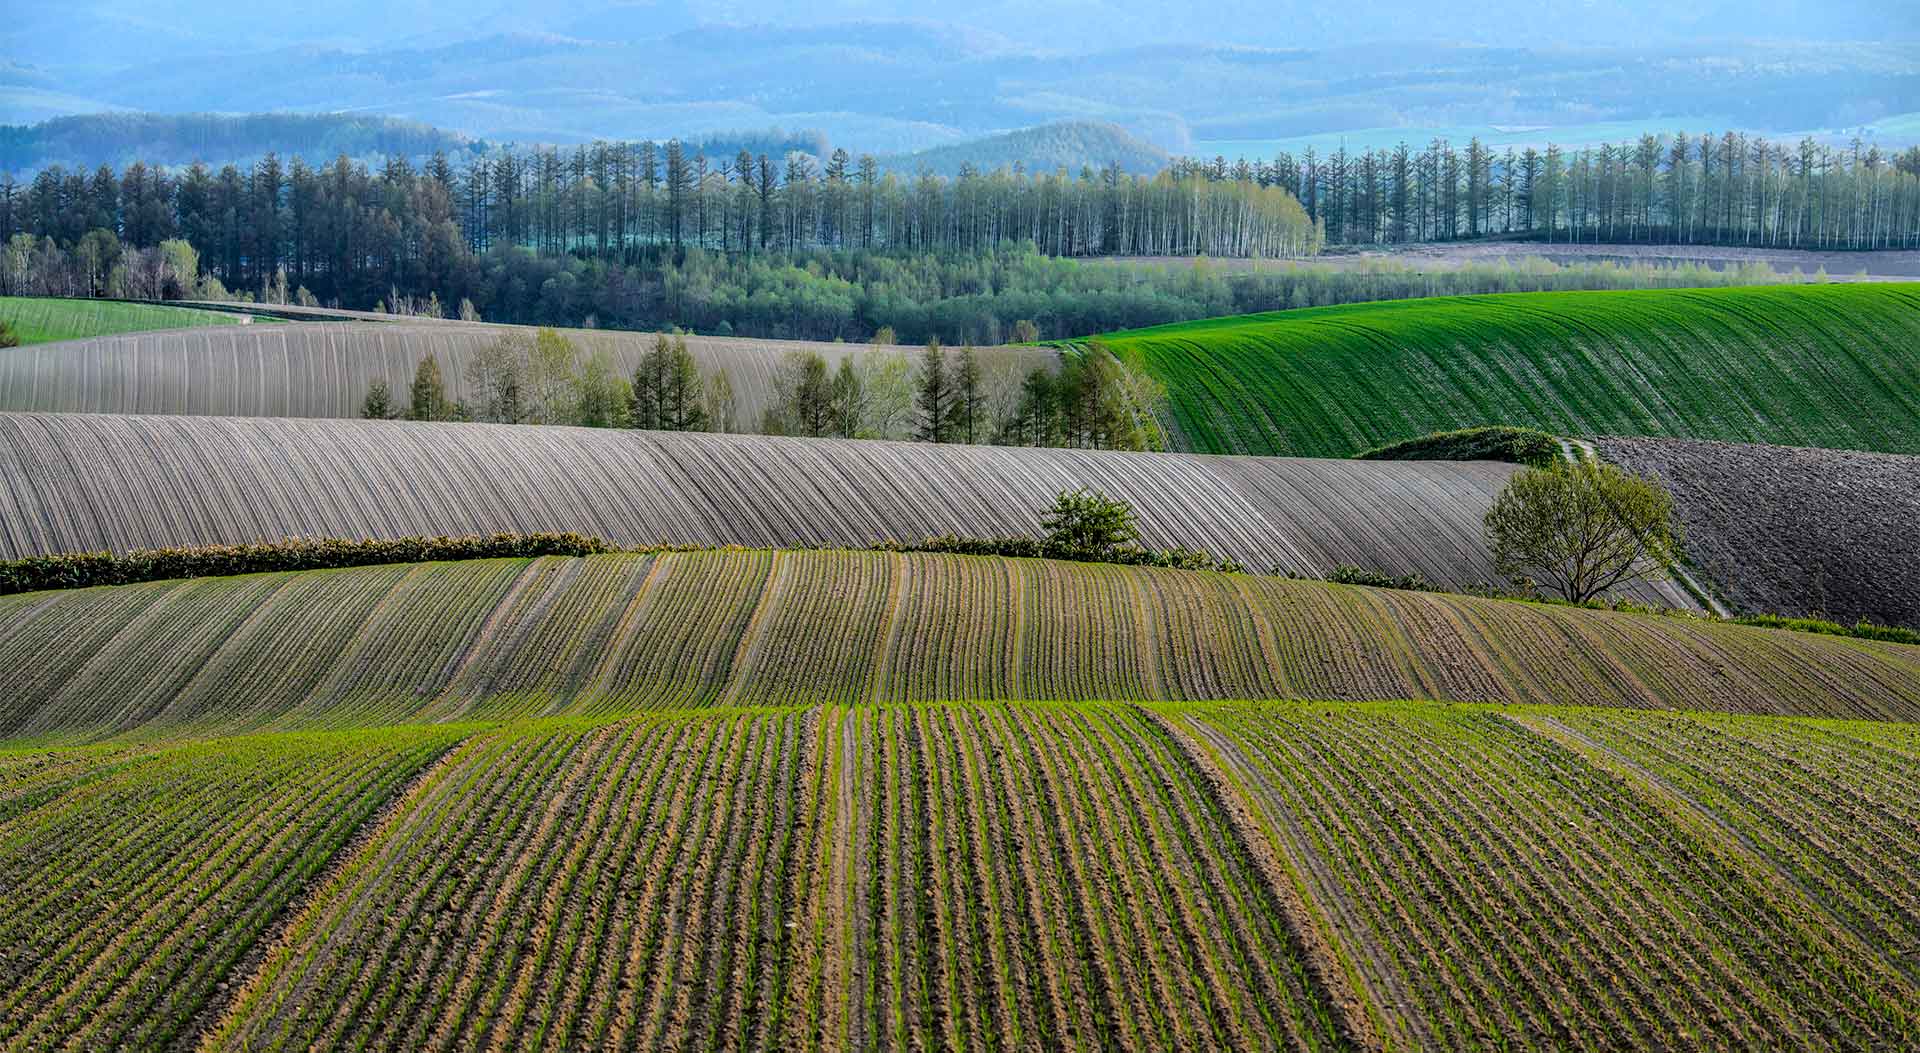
x,y
513,639
1068,146
1820,365
385,806
1148,877
86,482
324,370
1791,531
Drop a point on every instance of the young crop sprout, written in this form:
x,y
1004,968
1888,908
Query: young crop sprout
x,y
1582,529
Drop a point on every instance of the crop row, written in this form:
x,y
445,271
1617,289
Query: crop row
x,y
1492,885
494,639
135,881
1815,365
84,483
566,886
977,876
970,878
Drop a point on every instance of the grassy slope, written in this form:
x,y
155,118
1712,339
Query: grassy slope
x,y
1226,876
41,321
1831,365
493,639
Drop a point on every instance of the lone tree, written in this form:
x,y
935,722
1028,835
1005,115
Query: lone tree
x,y
1582,529
8,338
1089,521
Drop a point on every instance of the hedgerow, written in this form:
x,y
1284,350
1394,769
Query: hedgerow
x,y
1176,558
82,570
1350,575
1862,630
1528,446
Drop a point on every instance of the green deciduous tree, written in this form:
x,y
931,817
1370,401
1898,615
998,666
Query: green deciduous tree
x,y
1089,521
599,397
849,397
1582,530
429,394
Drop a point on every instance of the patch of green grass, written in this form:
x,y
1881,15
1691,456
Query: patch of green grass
x,y
1833,366
37,320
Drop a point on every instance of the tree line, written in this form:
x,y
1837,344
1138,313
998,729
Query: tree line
x,y
1730,189
1010,294
349,232
1091,400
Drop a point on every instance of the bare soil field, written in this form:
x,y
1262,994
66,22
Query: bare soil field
x,y
1785,530
1889,265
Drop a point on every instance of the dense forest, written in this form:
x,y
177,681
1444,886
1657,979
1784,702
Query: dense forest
x,y
646,236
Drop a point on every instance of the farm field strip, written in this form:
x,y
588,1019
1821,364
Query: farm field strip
x,y
605,635
1798,532
37,320
324,368
1815,365
975,876
1513,890
73,483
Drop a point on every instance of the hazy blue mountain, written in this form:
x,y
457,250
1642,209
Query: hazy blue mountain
x,y
1069,145
875,75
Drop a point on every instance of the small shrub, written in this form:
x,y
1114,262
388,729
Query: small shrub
x,y
1090,521
1041,548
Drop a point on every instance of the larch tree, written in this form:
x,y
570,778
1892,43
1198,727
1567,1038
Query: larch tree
x,y
935,398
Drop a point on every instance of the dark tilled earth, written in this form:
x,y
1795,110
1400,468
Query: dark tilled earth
x,y
1785,530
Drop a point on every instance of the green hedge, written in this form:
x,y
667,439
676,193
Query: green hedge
x,y
1347,574
1038,548
1863,630
1525,446
104,568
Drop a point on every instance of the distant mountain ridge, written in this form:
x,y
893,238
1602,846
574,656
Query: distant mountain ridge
x,y
1065,144
117,139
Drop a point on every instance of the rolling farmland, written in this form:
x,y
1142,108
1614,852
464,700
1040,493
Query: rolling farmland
x,y
72,483
324,368
1780,530
564,636
1019,876
1512,877
38,321
1834,366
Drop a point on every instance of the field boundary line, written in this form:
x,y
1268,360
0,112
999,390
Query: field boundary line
x,y
1326,968
216,1016
1732,839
